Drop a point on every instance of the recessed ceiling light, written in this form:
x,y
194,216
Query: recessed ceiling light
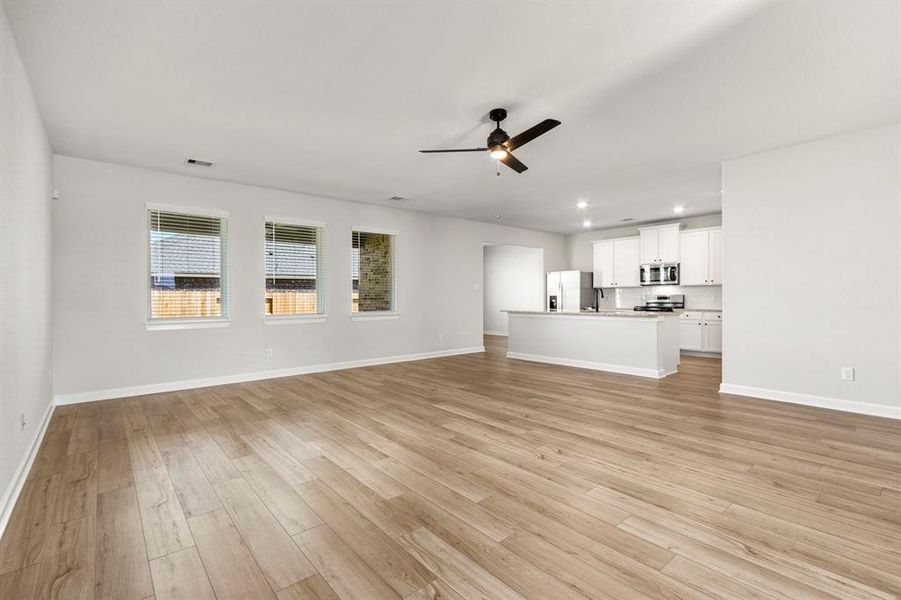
x,y
586,223
581,204
679,209
396,198
196,162
627,219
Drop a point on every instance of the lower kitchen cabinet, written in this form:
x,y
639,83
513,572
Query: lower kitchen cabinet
x,y
701,331
691,333
713,336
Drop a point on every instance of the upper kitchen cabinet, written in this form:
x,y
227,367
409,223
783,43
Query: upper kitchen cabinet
x,y
659,244
603,264
626,262
616,263
701,257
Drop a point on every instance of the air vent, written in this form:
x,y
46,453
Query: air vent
x,y
196,162
397,198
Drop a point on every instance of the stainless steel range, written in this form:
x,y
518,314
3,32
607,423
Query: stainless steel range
x,y
662,303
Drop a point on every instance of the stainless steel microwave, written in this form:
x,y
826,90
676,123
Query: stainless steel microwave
x,y
660,274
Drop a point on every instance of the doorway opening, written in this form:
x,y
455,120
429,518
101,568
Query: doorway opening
x,y
513,280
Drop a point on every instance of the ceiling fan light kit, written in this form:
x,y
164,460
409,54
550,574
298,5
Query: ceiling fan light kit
x,y
500,146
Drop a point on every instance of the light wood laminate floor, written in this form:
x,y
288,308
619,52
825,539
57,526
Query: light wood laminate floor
x,y
465,477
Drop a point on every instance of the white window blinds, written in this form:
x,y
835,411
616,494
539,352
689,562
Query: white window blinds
x,y
187,265
372,272
294,282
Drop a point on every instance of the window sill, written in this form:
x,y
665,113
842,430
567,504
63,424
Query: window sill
x,y
380,316
186,324
294,319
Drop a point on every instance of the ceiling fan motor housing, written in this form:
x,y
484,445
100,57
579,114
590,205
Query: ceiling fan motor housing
x,y
498,136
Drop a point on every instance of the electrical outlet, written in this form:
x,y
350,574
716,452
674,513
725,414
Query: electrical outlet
x,y
440,337
476,286
268,352
22,422
847,373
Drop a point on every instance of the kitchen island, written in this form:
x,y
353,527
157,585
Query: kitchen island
x,y
619,341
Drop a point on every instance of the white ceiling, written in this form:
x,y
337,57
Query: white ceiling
x,y
335,98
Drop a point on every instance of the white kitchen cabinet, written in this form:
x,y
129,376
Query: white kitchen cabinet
x,y
713,336
616,263
691,333
668,243
627,262
648,240
715,257
694,263
659,244
603,265
701,332
701,257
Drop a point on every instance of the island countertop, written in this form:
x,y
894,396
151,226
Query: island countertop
x,y
620,341
604,312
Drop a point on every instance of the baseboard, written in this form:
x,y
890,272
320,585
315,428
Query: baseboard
x,y
11,495
701,354
587,364
501,333
186,384
863,408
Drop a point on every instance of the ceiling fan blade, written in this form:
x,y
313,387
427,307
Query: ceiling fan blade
x,y
530,134
456,150
513,162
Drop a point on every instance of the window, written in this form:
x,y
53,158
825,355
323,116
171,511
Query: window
x,y
372,272
187,265
293,270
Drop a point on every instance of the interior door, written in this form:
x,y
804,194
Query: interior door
x,y
693,267
627,263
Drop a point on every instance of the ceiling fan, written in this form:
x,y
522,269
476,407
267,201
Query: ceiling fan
x,y
500,145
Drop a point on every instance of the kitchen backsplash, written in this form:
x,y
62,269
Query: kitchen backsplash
x,y
695,296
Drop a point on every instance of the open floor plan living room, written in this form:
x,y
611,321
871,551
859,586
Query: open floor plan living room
x,y
484,300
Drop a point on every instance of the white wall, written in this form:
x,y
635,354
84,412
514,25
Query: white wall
x,y
514,280
812,238
25,283
100,293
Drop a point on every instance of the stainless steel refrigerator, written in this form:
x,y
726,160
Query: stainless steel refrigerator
x,y
570,291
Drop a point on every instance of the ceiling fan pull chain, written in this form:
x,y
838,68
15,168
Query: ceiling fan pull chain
x,y
498,168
